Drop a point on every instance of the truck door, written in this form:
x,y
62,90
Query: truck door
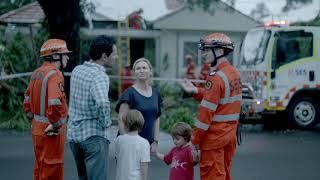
x,y
292,51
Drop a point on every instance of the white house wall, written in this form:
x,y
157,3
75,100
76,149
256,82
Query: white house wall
x,y
168,47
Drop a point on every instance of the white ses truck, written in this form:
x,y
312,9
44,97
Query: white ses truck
x,y
280,71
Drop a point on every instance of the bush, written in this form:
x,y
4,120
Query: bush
x,y
175,108
170,117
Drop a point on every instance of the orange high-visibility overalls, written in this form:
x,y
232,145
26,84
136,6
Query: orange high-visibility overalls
x,y
126,83
45,98
216,123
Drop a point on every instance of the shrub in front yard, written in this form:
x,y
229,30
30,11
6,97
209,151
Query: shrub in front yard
x,y
176,108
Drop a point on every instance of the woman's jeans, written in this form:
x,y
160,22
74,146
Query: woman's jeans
x,y
91,158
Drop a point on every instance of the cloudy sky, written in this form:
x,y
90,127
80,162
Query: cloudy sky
x,y
306,12
154,9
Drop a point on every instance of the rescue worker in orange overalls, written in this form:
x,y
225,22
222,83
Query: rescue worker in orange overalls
x,y
191,67
125,82
219,110
190,73
136,20
45,102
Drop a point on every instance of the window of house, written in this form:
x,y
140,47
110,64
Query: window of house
x,y
192,49
291,46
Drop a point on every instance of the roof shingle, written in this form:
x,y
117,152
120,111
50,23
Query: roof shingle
x,y
29,14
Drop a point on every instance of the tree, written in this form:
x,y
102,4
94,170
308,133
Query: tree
x,y
63,18
260,11
15,57
295,4
206,5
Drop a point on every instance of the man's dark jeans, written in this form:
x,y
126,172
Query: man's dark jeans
x,y
91,158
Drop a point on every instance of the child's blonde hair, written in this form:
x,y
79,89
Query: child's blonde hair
x,y
134,120
182,129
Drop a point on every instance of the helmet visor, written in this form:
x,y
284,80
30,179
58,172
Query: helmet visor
x,y
200,45
203,45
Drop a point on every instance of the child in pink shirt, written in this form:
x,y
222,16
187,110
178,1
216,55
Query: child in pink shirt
x,y
182,157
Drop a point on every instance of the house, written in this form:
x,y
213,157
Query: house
x,y
171,34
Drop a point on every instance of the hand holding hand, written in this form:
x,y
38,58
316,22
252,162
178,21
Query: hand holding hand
x,y
154,148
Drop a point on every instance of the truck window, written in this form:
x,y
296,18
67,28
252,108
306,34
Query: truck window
x,y
291,46
254,47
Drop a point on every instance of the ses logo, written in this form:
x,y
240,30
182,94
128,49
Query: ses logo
x,y
297,72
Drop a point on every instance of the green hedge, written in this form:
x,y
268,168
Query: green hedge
x,y
176,108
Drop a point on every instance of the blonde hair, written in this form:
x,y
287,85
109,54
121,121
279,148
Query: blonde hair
x,y
134,120
149,64
182,129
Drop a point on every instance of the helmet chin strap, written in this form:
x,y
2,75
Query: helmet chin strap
x,y
214,63
60,57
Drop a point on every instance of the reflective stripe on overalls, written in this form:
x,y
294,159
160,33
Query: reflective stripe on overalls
x,y
41,117
222,102
226,100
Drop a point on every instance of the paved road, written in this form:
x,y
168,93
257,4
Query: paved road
x,y
264,155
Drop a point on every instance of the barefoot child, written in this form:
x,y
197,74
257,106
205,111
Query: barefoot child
x,y
182,157
131,150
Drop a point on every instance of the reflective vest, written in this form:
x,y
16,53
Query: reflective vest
x,y
126,83
219,110
46,99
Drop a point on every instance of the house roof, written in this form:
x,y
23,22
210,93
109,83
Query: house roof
x,y
222,18
100,17
32,13
28,14
120,9
184,7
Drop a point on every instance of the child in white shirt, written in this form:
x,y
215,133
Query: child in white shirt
x,y
131,150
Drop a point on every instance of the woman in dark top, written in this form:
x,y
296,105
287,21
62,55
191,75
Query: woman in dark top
x,y
144,98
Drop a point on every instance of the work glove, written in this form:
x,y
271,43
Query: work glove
x,y
50,131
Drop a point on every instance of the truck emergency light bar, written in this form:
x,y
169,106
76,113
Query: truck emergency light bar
x,y
276,23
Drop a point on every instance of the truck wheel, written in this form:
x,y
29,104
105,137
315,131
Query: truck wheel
x,y
304,112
